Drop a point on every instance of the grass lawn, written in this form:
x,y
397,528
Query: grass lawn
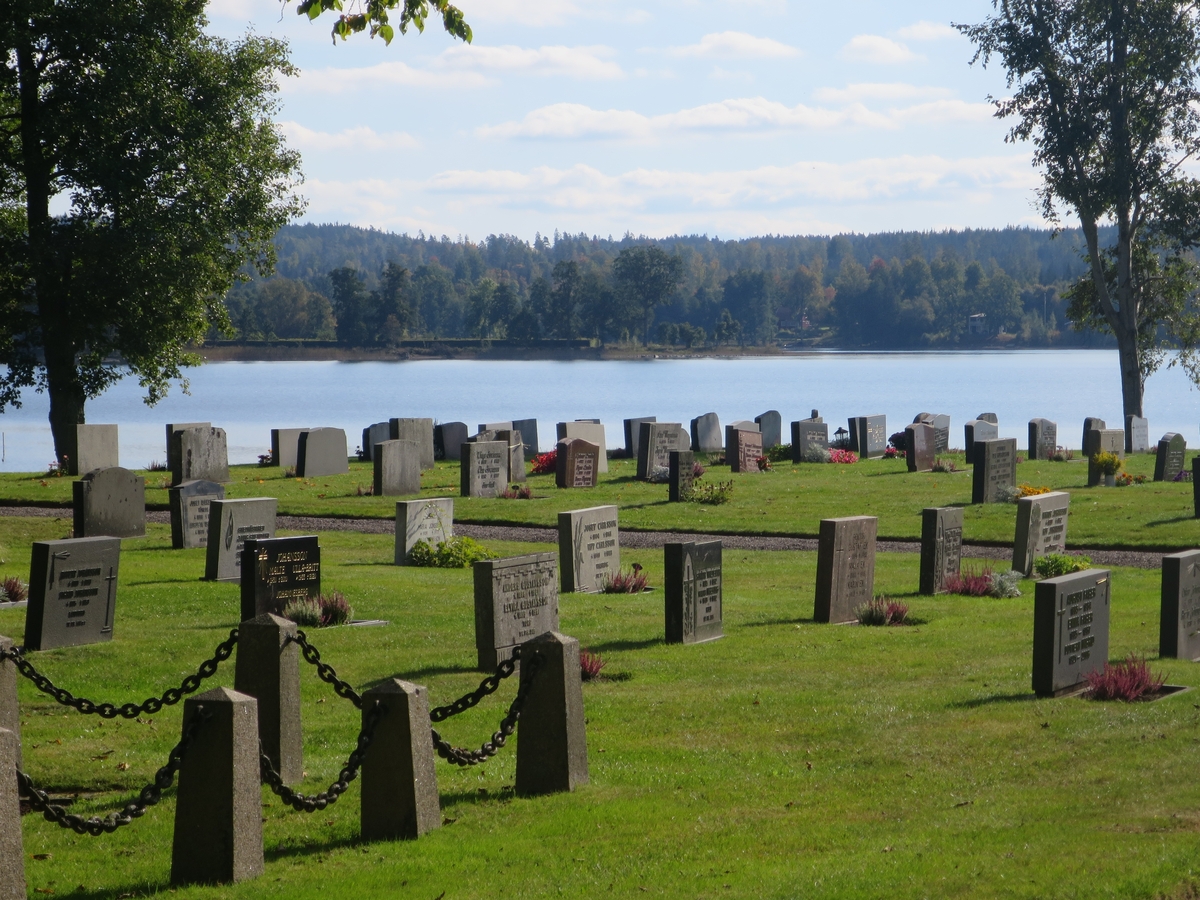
x,y
787,760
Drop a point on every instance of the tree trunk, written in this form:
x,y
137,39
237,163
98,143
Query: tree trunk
x,y
1131,373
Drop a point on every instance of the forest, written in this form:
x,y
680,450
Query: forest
x,y
900,290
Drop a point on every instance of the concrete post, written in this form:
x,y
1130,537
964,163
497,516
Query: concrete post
x,y
551,739
399,782
10,709
12,856
268,669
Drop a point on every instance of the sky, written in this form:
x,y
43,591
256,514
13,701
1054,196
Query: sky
x,y
731,118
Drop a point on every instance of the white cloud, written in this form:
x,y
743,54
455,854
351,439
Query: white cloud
x,y
874,48
361,138
928,31
573,62
857,93
719,74
734,45
549,12
386,74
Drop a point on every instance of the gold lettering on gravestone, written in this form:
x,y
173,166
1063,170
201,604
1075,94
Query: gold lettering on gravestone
x,y
876,436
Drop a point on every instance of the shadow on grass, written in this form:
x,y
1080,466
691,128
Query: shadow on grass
x,y
995,698
1171,521
768,622
626,645
477,797
415,675
305,848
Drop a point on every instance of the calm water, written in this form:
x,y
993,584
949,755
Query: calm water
x,y
248,399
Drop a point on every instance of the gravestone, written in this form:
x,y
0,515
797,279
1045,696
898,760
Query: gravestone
x,y
941,547
1196,485
1091,423
1041,528
171,429
285,446
706,433
322,451
397,467
693,595
551,733
577,464
495,426
988,417
110,502
1107,440
515,599
920,453
656,442
96,447
633,435
868,436
977,431
278,571
372,435
681,475
770,424
484,469
430,520
815,417
529,435
742,449
516,455
1179,619
448,439
1170,459
1070,631
72,592
1137,434
995,468
1043,438
810,441
941,428
189,512
589,548
230,524
419,430
590,431
845,567
199,454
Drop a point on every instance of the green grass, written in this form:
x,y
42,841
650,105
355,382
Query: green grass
x,y
786,760
791,500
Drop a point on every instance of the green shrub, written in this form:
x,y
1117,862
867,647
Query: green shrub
x,y
780,453
456,553
1054,564
710,493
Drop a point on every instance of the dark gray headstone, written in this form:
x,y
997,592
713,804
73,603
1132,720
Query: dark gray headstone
x,y
399,781
1043,438
285,446
941,426
845,567
372,435
397,468
577,464
10,708
551,733
218,806
593,433
815,417
1172,448
110,503
656,442
742,449
681,475
484,470
868,436
706,433
516,455
230,524
1070,631
920,447
976,431
72,592
189,512
633,434
1179,619
1196,485
1106,440
268,669
279,571
199,454
515,599
529,435
1091,423
693,592
988,417
1041,528
589,548
770,424
1137,434
941,546
419,430
96,447
430,520
171,429
322,451
995,468
810,441
448,438
12,853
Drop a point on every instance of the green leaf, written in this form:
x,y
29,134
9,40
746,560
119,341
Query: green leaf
x,y
387,33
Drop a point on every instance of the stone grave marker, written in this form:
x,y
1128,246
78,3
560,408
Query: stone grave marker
x,y
199,454
1107,440
1070,631
419,430
976,431
1091,423
589,548
656,442
230,524
1179,620
495,426
190,504
577,464
285,446
1196,484
515,599
810,441
693,595
72,592
277,571
920,443
742,449
845,567
322,451
516,455
815,417
633,435
770,424
590,431
529,435
868,436
988,417
110,503
995,468
96,447
941,428
171,429
706,433
448,440
484,469
372,435
1041,528
681,473
941,546
1170,459
397,468
1043,438
430,520
1137,434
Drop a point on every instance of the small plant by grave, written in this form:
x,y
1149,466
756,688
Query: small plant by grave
x,y
1182,475
893,453
941,464
289,472
763,463
882,611
265,461
545,463
517,492
1007,493
970,583
305,612
1053,565
1128,680
780,453
625,582
1006,584
156,466
837,455
1107,463
367,491
712,494
1029,490
659,475
697,470
55,470
456,553
1062,454
13,590
1125,479
590,665
335,610
817,455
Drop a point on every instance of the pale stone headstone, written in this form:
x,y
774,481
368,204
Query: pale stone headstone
x,y
285,446
322,451
372,435
995,468
975,432
72,592
1043,438
1106,440
96,447
693,592
810,441
868,436
171,429
589,548
397,468
1137,434
529,435
279,571
941,428
1179,619
592,432
419,430
447,439
577,464
742,449
845,567
268,669
656,442
189,512
1070,631
681,475
941,547
399,780
1172,448
920,452
744,425
1041,528
988,417
633,435
12,853
551,733
110,503
1091,423
706,433
430,520
230,524
484,469
199,454
495,426
515,599
770,424
516,454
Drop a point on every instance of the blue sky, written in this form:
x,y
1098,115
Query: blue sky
x,y
731,118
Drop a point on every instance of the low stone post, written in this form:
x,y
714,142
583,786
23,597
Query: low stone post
x,y
399,781
10,709
268,669
551,739
1195,485
218,811
12,856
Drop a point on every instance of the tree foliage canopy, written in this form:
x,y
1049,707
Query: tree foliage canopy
x,y
375,15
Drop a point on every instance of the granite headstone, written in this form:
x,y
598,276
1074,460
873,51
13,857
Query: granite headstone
x,y
845,567
171,429
230,524
322,451
995,469
448,439
656,442
529,435
1070,631
633,435
1179,617
419,430
592,432
589,548
484,469
372,435
1102,440
1043,438
285,446
1137,434
681,475
976,431
397,466
110,502
96,447
941,546
515,599
430,520
577,463
920,447
279,571
189,512
199,454
72,592
810,441
1172,448
770,424
1041,528
706,433
742,449
693,592
1091,423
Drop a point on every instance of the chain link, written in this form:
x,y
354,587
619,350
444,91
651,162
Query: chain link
x,y
149,795
463,757
302,803
487,686
150,706
325,671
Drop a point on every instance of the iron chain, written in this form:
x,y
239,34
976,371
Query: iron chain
x,y
325,671
487,686
463,757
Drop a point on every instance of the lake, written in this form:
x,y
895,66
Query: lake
x,y
247,399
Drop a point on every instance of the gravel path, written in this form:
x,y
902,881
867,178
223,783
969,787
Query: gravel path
x,y
633,540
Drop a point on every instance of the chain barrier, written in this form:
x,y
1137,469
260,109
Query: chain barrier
x,y
487,686
95,826
325,671
463,757
302,803
150,706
